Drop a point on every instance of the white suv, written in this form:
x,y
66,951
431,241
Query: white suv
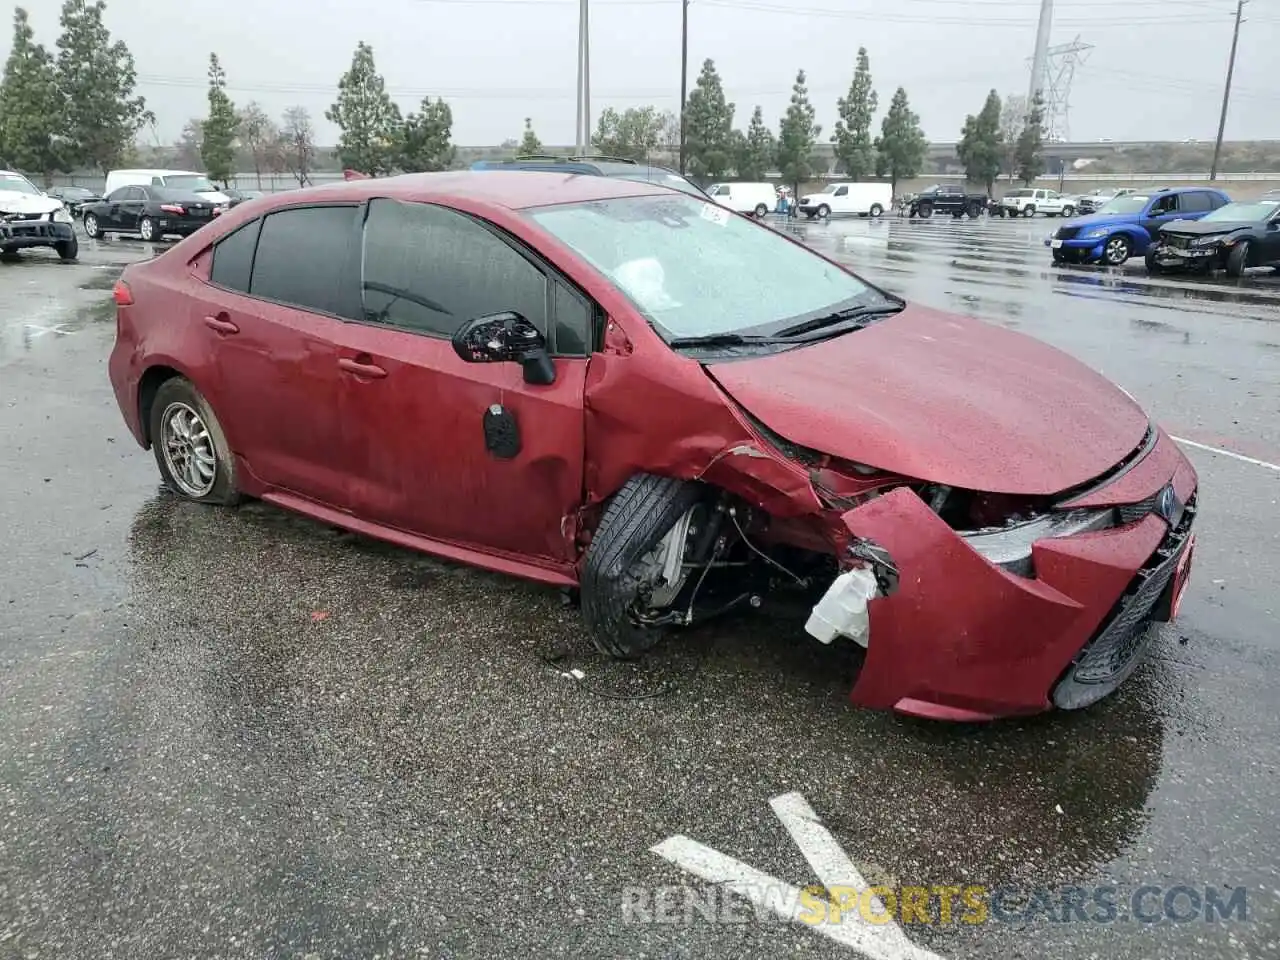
x,y
1028,202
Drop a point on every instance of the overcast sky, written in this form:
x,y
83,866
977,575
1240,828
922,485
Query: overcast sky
x,y
1155,72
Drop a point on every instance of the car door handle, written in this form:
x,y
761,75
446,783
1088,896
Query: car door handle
x,y
221,324
362,367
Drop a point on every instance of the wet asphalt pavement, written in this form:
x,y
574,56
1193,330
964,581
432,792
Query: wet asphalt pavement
x,y
241,734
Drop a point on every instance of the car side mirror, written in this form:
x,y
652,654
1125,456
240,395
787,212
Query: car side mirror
x,y
506,338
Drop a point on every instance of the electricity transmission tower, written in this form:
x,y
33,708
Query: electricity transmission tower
x,y
1060,65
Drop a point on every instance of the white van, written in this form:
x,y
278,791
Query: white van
x,y
196,183
757,198
865,199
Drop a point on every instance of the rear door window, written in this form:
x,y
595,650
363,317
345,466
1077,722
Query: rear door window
x,y
1196,203
233,257
306,257
430,269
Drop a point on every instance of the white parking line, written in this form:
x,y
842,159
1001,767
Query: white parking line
x,y
1229,453
879,940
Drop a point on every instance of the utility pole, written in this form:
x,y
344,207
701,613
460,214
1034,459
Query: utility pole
x,y
684,71
586,80
577,90
1226,92
1040,60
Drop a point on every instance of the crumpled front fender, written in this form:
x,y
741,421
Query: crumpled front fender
x,y
962,639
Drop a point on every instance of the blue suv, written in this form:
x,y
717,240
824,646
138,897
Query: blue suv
x,y
1124,226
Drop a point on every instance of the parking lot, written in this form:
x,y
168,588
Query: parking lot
x,y
242,734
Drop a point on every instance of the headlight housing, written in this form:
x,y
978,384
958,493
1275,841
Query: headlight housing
x,y
1206,241
1097,233
62,215
1010,547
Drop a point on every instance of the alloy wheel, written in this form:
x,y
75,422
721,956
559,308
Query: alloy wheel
x,y
188,450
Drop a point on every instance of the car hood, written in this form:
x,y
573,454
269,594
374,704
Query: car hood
x,y
945,399
11,201
1198,228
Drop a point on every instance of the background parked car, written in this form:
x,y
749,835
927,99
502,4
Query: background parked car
x,y
1233,238
863,199
240,196
1027,202
187,180
1091,201
1125,226
73,198
150,212
618,167
755,198
29,218
948,198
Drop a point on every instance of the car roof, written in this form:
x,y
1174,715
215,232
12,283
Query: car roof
x,y
513,189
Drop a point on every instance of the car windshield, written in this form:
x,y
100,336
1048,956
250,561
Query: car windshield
x,y
16,183
1127,204
1257,211
830,188
694,269
193,183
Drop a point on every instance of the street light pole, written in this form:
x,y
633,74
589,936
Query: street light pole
x,y
586,79
1226,92
582,26
684,71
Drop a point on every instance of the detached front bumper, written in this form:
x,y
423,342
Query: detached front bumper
x,y
962,639
18,234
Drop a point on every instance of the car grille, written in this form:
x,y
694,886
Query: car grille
x,y
1067,233
18,218
1115,649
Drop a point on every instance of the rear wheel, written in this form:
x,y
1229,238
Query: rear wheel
x,y
877,210
824,211
92,229
147,229
1117,250
1238,259
1068,211
925,210
189,445
623,571
975,211
761,210
1029,210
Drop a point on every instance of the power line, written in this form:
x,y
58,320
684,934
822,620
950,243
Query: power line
x,y
764,6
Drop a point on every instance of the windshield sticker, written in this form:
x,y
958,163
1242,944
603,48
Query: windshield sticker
x,y
715,213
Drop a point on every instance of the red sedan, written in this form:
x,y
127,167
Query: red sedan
x,y
610,386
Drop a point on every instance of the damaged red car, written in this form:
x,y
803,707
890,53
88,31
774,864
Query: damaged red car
x,y
630,392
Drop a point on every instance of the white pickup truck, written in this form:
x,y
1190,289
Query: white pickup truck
x,y
1029,202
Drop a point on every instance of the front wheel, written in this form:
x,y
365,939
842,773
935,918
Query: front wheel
x,y
1238,259
67,250
190,448
824,211
925,210
623,571
1029,210
761,211
1116,251
975,211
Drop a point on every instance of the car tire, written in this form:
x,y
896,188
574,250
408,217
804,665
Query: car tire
x,y
1059,256
761,211
147,230
877,210
190,448
92,229
67,250
636,519
1116,250
925,210
823,212
1029,210
975,211
1238,259
1068,211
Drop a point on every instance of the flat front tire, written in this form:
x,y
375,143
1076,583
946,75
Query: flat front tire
x,y
190,448
614,578
67,250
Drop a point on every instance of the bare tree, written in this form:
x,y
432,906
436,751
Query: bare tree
x,y
189,144
298,144
1013,117
261,138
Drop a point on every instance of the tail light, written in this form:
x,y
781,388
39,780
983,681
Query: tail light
x,y
121,294
172,208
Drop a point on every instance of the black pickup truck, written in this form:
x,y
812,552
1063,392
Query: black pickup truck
x,y
948,198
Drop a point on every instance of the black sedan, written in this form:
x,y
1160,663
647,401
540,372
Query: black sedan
x,y
73,198
1234,237
150,212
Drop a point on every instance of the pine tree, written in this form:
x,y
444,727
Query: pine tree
x,y
853,143
708,127
757,150
30,108
797,134
218,148
1030,148
980,147
425,144
369,120
901,147
529,144
96,80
